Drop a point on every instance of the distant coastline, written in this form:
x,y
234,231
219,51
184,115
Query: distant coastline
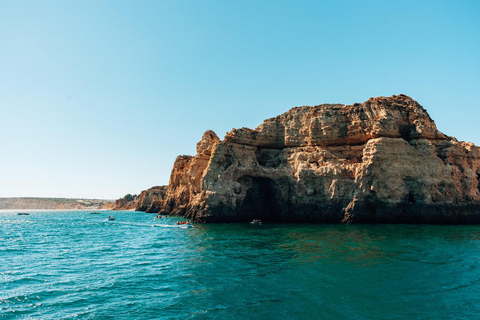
x,y
54,210
33,203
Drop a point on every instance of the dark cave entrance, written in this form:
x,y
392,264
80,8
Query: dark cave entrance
x,y
411,198
478,181
261,200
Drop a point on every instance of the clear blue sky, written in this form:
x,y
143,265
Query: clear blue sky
x,y
97,98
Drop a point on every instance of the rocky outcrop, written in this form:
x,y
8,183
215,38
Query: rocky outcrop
x,y
151,200
382,161
124,204
109,206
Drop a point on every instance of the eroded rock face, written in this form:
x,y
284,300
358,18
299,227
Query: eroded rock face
x,y
151,200
380,161
123,204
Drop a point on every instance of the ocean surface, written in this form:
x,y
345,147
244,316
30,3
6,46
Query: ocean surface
x,y
72,264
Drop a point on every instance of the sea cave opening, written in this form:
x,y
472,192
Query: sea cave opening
x,y
478,181
261,199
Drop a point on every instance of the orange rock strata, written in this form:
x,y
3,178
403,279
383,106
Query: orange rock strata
x,y
382,161
151,200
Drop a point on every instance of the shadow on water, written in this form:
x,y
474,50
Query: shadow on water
x,y
354,271
358,244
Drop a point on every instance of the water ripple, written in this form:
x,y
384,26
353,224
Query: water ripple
x,y
69,265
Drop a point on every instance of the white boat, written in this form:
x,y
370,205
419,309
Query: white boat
x,y
255,221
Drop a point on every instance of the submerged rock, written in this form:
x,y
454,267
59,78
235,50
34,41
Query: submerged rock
x,y
382,161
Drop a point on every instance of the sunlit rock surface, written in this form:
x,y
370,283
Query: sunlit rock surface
x,y
151,200
381,161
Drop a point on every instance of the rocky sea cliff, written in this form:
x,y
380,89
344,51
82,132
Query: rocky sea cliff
x,y
381,161
152,200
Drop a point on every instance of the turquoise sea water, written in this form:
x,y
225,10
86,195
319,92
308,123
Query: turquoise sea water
x,y
63,265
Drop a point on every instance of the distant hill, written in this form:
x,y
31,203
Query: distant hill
x,y
54,203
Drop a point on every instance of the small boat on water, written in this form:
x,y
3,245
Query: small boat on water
x,y
256,221
23,214
184,224
94,212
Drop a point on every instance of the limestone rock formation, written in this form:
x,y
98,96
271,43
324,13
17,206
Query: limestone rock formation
x,y
108,206
382,161
151,200
124,204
